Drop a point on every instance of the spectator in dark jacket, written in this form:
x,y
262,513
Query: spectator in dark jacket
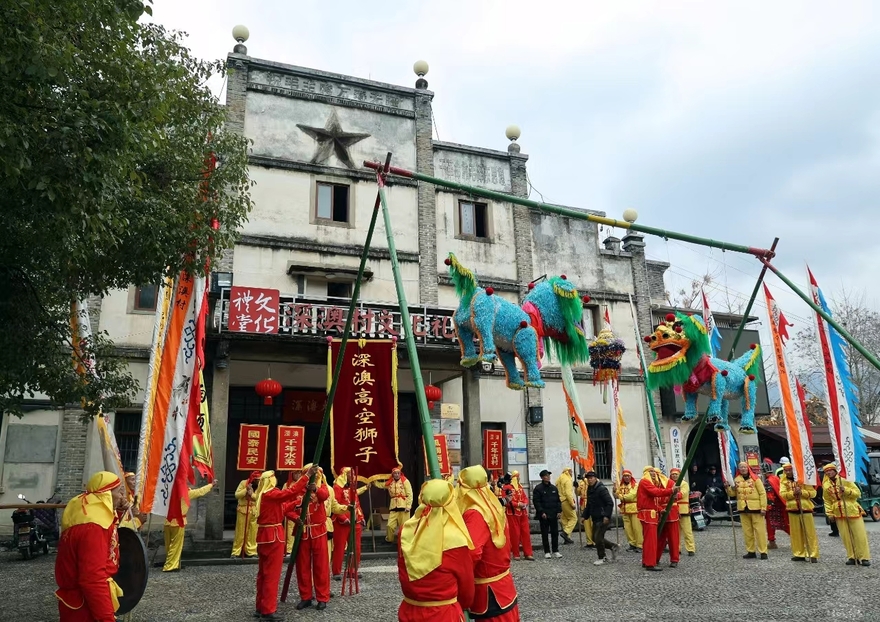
x,y
548,509
600,507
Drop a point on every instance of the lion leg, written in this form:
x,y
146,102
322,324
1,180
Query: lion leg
x,y
525,344
465,333
722,425
716,399
483,311
690,406
750,396
514,378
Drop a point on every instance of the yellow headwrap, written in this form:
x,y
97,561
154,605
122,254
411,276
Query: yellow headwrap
x,y
267,482
320,480
342,478
514,480
95,505
664,481
437,526
474,494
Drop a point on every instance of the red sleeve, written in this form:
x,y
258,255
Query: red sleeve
x,y
479,531
294,491
322,493
459,561
92,551
652,490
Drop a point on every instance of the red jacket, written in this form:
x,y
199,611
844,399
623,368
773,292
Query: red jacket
x,y
316,514
452,580
270,520
87,556
491,567
519,497
673,513
343,495
648,498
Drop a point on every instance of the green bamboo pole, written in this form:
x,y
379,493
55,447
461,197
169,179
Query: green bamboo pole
x,y
742,324
655,421
573,213
406,323
337,371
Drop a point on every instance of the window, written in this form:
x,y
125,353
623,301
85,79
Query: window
x,y
127,428
332,202
338,290
473,219
600,436
145,297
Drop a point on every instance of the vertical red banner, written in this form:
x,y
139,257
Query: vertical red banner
x,y
253,445
291,447
442,448
493,450
364,413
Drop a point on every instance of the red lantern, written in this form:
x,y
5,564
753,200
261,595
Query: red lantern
x,y
434,394
267,389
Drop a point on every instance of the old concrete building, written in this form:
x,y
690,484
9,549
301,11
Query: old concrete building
x,y
311,131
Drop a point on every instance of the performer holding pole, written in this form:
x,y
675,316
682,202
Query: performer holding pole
x,y
626,492
245,541
799,500
842,505
751,500
313,560
684,515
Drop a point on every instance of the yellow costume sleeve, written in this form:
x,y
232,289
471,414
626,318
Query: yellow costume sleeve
x,y
786,490
240,491
808,492
762,493
363,489
851,492
684,490
335,506
630,497
731,491
826,498
198,493
409,494
380,485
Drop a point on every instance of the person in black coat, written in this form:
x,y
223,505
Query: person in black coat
x,y
548,509
600,507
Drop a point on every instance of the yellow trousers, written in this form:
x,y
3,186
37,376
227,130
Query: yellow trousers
x,y
250,549
395,522
754,532
633,528
288,548
173,547
687,533
852,532
569,518
804,542
588,530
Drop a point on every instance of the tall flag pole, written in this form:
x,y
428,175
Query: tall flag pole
x,y
803,464
711,326
578,438
841,402
618,424
729,455
656,441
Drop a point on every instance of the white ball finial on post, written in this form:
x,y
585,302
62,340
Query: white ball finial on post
x,y
240,34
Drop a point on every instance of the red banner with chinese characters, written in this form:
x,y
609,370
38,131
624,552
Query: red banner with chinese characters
x,y
253,443
364,413
493,450
442,449
291,447
253,310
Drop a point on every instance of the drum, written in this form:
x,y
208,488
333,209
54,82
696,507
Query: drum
x,y
133,569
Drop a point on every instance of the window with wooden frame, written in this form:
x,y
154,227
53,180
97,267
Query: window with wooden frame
x,y
600,437
332,202
145,297
473,219
127,429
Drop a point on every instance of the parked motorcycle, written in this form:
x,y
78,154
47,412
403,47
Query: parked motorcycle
x,y
718,506
699,518
29,536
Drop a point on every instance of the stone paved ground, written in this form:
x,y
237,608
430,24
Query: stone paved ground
x,y
712,586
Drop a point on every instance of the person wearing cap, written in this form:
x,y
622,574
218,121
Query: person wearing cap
x,y
175,527
517,510
842,506
565,486
401,493
684,514
600,508
245,540
434,561
342,521
88,552
626,492
271,538
312,559
751,503
650,499
586,524
495,596
548,509
782,462
798,499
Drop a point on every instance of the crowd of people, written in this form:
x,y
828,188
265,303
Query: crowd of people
x,y
455,552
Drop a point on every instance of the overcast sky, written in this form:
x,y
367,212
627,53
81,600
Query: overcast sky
x,y
738,121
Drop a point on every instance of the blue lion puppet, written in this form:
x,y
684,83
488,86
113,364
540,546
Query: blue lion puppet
x,y
551,316
683,362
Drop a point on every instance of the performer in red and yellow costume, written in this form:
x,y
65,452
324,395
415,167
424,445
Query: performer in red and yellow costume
x,y
435,568
271,539
342,521
88,552
565,486
401,493
649,497
583,493
292,478
626,492
799,504
669,537
331,508
246,517
495,596
841,499
132,518
686,530
519,530
174,530
312,560
751,502
776,517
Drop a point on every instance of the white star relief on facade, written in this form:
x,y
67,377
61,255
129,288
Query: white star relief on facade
x,y
332,139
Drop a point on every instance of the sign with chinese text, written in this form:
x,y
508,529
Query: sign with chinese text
x,y
304,406
753,458
442,450
291,446
253,442
450,411
676,451
364,414
493,450
253,310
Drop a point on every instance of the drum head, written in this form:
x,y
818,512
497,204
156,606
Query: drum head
x,y
133,571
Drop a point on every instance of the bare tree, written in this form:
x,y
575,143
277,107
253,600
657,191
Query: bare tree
x,y
688,297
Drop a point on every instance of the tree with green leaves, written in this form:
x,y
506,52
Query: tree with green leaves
x,y
106,126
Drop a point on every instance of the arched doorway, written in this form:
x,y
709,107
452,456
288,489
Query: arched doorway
x,y
707,453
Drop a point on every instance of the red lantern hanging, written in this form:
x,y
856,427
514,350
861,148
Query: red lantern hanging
x,y
434,394
267,389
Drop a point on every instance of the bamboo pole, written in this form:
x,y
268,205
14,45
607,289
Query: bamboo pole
x,y
755,292
325,423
